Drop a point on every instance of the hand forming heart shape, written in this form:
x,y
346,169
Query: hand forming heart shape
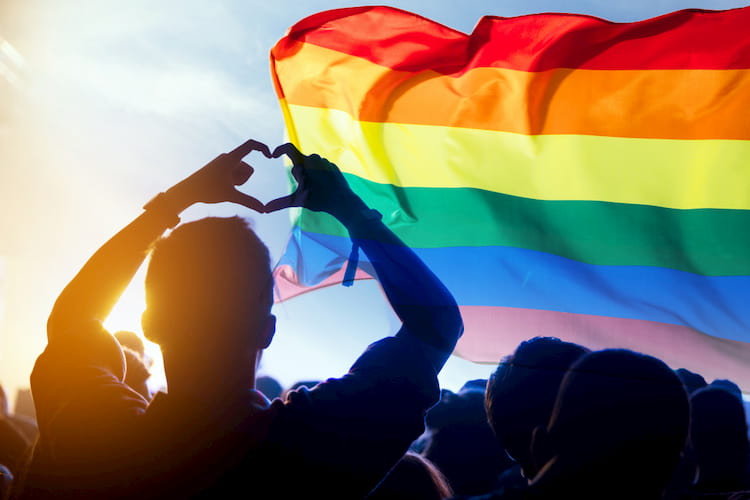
x,y
295,199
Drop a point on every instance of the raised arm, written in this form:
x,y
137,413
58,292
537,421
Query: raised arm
x,y
425,306
94,291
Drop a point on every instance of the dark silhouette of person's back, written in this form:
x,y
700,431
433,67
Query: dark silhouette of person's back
x,y
209,300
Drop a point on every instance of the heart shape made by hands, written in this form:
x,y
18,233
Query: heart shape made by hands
x,y
294,199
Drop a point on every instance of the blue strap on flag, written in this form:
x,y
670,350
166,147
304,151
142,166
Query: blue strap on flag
x,y
351,265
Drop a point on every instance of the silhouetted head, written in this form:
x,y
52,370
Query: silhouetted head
x,y
299,385
727,385
620,421
691,380
460,442
269,386
522,391
131,340
718,437
209,287
477,384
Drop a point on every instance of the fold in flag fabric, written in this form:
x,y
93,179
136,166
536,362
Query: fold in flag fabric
x,y
562,174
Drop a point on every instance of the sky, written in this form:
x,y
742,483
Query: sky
x,y
103,104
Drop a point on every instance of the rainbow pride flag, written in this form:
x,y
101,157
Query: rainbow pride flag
x,y
562,174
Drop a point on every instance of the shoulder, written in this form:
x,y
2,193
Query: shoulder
x,y
78,388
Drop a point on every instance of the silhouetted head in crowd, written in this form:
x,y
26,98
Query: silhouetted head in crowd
x,y
132,341
718,438
727,385
617,430
269,386
477,384
208,302
307,384
137,362
137,373
691,380
460,442
522,391
414,477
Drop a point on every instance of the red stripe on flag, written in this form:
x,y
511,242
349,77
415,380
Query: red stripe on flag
x,y
685,39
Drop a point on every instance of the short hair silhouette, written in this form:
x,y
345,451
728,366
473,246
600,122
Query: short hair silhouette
x,y
269,386
522,391
210,275
718,438
691,380
620,422
727,385
132,341
459,441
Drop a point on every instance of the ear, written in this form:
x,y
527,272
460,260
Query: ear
x,y
269,328
542,449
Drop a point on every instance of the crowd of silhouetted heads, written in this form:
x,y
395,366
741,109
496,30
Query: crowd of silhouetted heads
x,y
553,420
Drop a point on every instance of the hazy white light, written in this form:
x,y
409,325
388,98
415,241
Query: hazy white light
x,y
9,52
11,62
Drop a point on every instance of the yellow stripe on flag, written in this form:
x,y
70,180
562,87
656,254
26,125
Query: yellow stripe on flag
x,y
667,173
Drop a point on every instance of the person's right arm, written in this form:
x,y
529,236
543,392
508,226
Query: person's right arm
x,y
427,309
358,426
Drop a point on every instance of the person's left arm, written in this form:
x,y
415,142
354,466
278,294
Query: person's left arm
x,y
94,291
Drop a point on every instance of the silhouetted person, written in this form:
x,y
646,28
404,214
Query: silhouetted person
x,y
308,384
414,477
718,439
727,385
209,298
24,423
520,396
17,435
682,485
522,391
617,430
137,363
24,407
269,386
13,447
460,442
131,339
691,380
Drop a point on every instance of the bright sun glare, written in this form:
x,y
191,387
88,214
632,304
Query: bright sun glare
x,y
127,316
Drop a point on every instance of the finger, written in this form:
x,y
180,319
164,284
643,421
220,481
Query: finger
x,y
282,203
241,173
291,151
299,174
245,148
246,200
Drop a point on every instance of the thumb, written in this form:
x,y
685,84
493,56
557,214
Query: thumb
x,y
241,173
